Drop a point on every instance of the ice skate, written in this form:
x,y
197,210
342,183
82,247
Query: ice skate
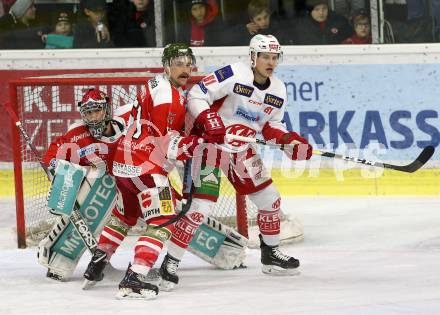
x,y
168,272
134,286
94,271
276,263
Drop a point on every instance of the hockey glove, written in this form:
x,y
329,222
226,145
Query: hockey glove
x,y
301,151
212,125
182,148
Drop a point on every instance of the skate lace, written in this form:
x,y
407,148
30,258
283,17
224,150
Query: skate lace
x,y
276,252
172,266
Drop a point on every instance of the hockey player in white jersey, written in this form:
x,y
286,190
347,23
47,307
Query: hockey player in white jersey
x,y
239,99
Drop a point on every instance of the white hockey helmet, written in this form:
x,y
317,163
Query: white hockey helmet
x,y
264,43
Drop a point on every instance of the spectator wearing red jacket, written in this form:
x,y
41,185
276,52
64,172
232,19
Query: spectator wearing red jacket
x,y
203,28
362,29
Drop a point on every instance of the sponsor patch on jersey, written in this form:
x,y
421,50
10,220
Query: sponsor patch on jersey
x,y
273,100
125,170
79,137
210,79
251,116
243,89
153,83
203,87
254,102
223,73
91,148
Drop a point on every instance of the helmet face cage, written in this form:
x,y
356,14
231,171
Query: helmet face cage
x,y
94,101
264,43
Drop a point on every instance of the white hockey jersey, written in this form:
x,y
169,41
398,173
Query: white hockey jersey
x,y
244,108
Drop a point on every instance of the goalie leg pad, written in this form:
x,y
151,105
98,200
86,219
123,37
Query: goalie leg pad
x,y
96,198
219,244
46,243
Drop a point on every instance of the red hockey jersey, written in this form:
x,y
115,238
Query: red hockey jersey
x,y
160,109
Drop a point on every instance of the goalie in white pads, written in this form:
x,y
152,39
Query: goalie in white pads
x,y
239,99
88,143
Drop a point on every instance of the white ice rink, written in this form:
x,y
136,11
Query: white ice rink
x,y
360,256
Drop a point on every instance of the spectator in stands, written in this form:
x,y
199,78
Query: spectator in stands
x,y
17,28
132,23
204,27
260,22
62,35
409,21
91,30
361,27
321,26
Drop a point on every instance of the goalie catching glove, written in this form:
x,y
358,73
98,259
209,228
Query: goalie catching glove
x,y
301,151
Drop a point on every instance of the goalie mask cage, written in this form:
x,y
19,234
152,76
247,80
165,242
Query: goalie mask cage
x,y
46,106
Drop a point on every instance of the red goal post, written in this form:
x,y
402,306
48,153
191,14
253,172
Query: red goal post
x,y
46,106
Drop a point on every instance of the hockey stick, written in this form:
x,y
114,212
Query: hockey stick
x,y
188,181
78,222
423,157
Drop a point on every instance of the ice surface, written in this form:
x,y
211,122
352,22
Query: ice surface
x,y
374,256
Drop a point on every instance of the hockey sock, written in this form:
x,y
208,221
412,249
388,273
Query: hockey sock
x,y
150,244
185,228
112,236
268,203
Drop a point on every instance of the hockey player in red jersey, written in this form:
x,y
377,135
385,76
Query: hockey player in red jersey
x,y
239,99
141,165
90,142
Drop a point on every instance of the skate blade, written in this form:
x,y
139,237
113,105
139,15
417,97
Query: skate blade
x,y
166,286
87,284
278,271
128,294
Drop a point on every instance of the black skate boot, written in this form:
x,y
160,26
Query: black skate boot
x,y
168,272
275,262
94,271
135,286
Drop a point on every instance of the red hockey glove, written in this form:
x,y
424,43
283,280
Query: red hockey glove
x,y
182,148
302,151
212,125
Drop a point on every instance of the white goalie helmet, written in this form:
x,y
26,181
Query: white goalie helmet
x,y
264,43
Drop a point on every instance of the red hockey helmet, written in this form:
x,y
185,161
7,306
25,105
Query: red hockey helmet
x,y
95,111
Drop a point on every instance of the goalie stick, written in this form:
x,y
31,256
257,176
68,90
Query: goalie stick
x,y
78,222
423,157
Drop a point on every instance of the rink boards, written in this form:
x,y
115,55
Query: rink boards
x,y
323,182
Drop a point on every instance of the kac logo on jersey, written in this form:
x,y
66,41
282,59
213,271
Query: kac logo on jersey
x,y
203,87
273,100
223,73
243,89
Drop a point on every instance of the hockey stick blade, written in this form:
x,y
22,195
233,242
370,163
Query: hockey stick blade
x,y
421,160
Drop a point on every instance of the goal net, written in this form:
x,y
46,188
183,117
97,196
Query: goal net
x,y
46,106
